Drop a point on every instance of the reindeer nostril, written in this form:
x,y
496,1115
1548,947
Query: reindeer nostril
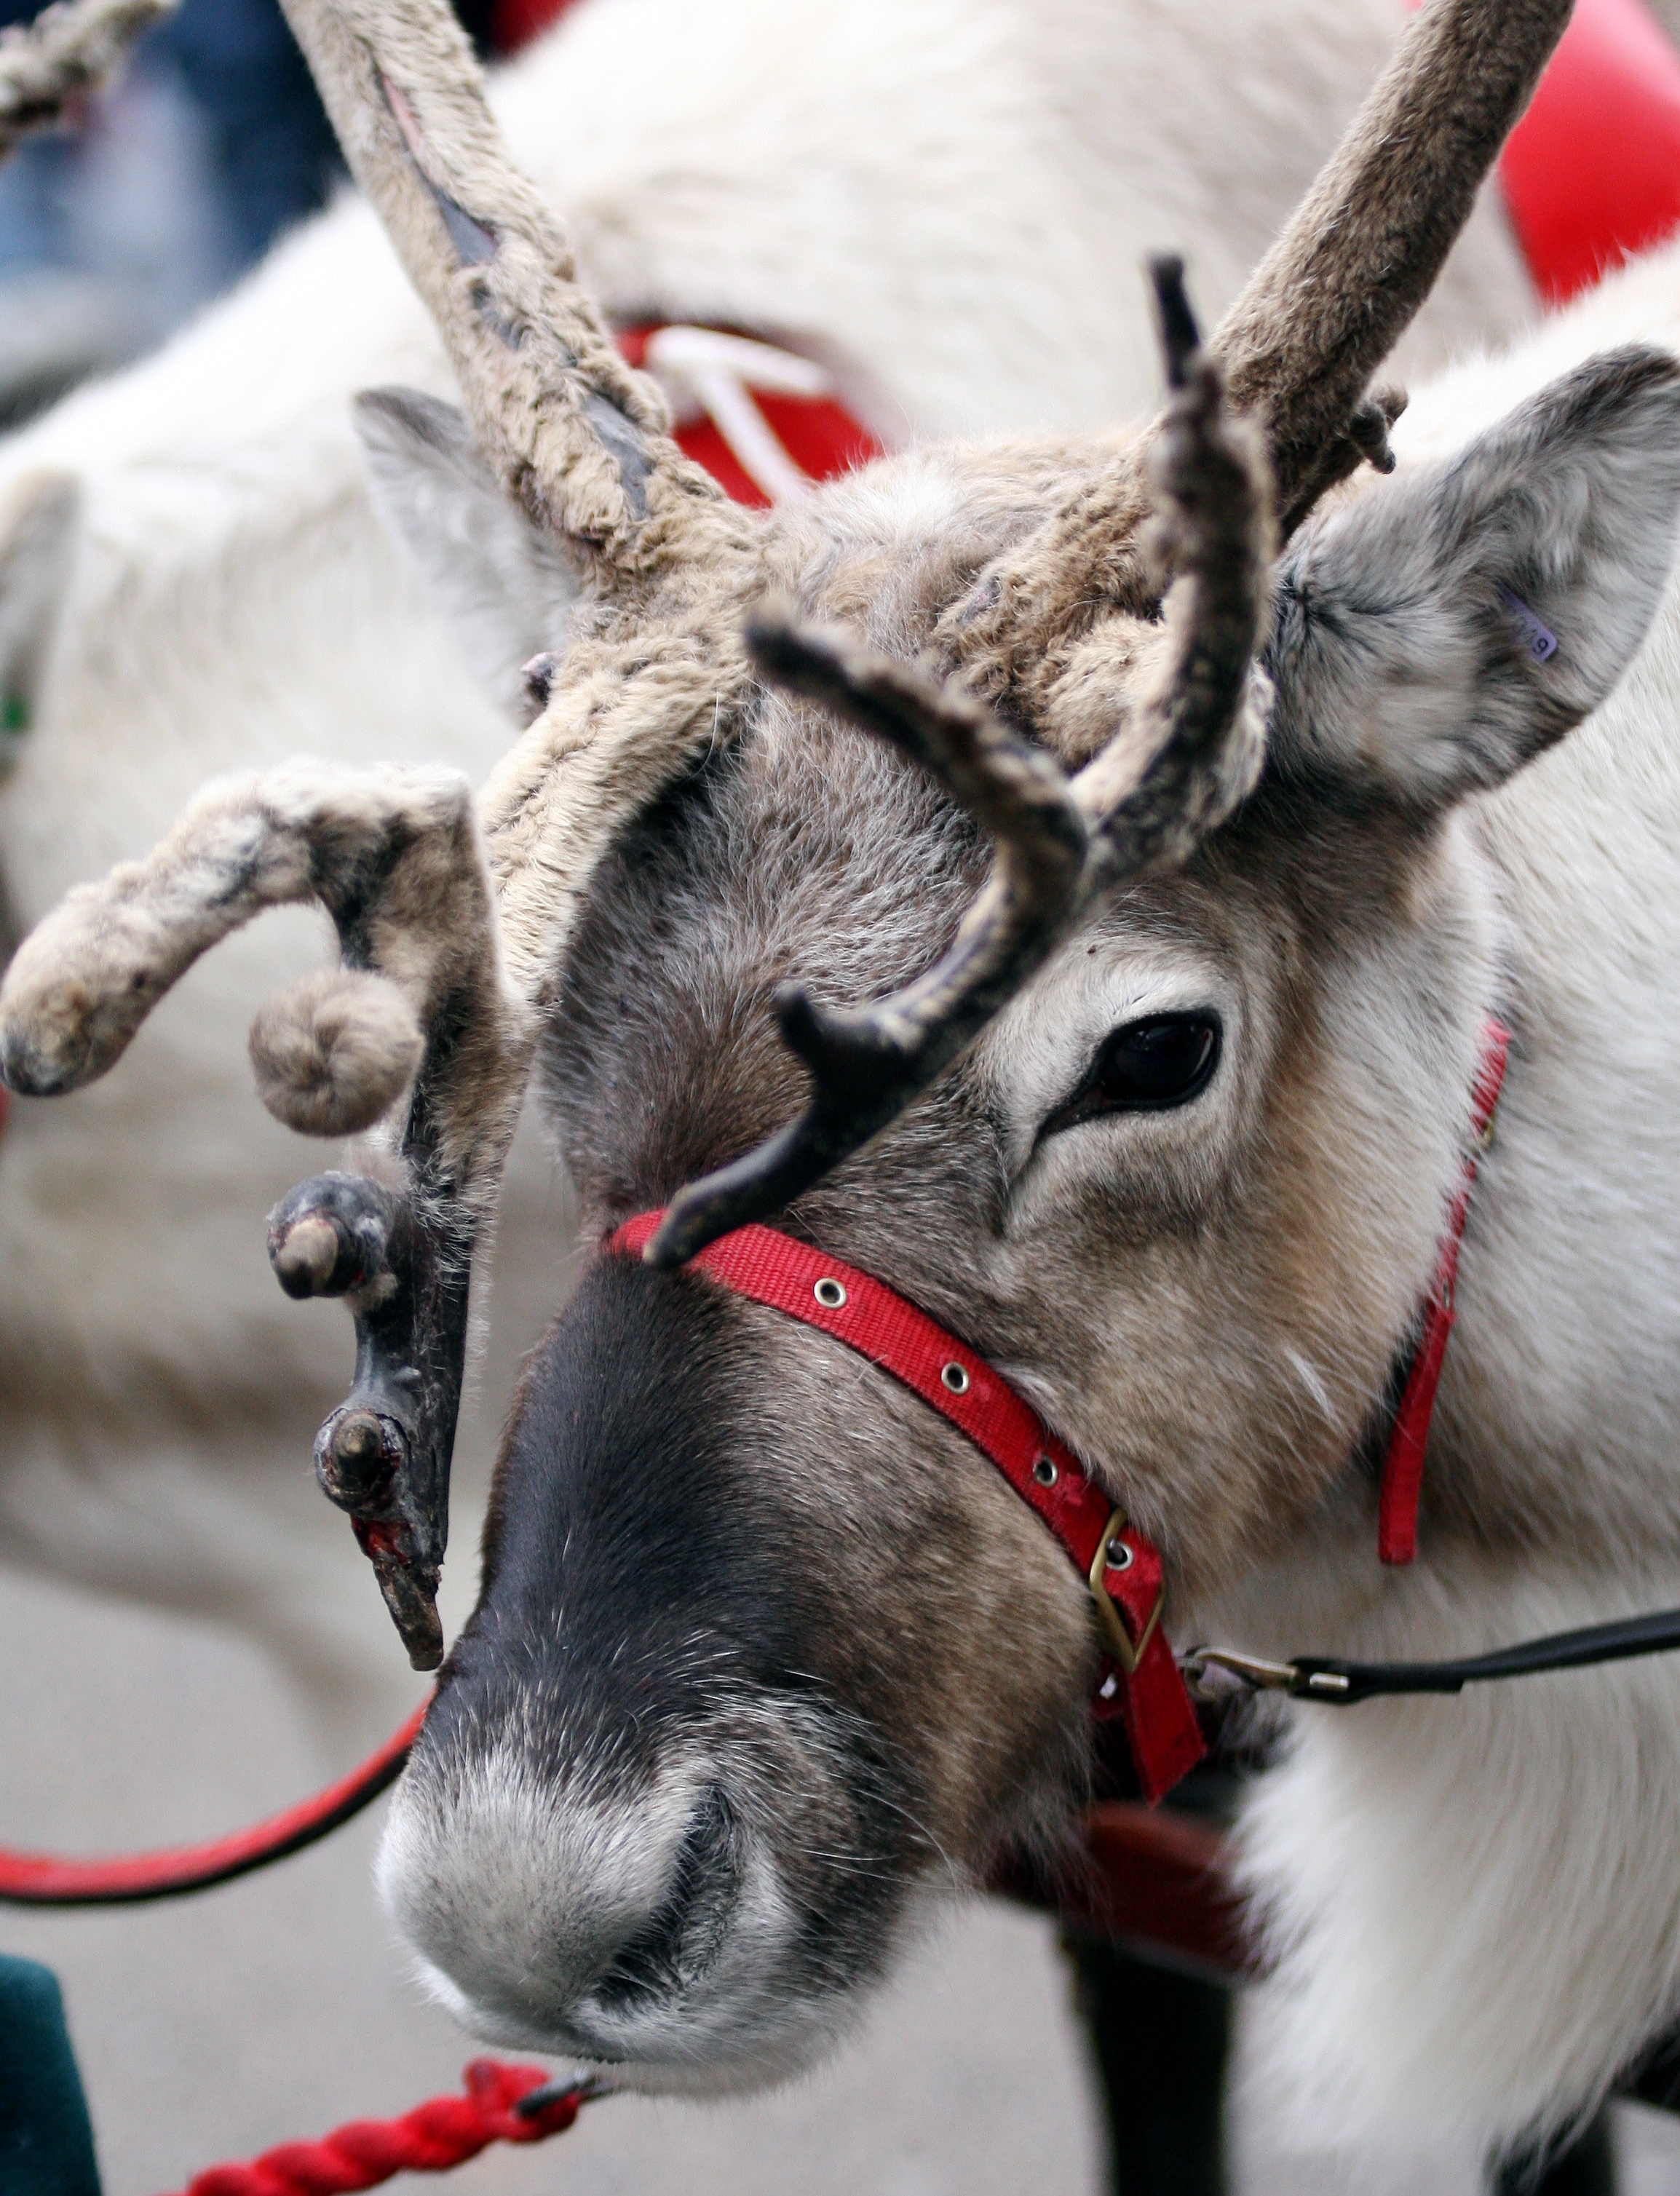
x,y
682,1936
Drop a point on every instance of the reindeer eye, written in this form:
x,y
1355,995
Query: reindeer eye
x,y
1145,1067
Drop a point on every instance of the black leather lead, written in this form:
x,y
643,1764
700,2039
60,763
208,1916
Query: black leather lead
x,y
1337,1684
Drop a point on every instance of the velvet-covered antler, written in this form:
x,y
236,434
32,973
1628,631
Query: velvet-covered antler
x,y
418,1007
1298,349
1192,748
578,437
433,1009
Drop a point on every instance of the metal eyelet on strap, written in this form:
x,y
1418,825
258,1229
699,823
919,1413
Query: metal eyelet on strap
x,y
1044,1471
829,1292
1108,1557
954,1378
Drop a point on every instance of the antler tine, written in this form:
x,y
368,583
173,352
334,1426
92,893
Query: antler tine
x,y
1317,318
1332,296
576,436
1191,751
70,49
867,1066
1196,738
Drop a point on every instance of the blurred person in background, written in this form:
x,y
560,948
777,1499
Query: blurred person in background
x,y
168,186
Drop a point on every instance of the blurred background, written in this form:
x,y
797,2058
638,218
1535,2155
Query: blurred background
x,y
169,187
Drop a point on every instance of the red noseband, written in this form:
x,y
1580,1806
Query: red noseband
x,y
1122,1569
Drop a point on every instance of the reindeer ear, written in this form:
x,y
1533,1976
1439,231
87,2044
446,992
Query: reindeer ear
x,y
501,581
1447,626
38,521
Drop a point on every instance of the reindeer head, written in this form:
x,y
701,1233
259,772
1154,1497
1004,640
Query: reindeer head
x,y
764,1651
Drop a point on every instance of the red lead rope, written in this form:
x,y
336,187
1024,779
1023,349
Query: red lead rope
x,y
1122,1568
442,2133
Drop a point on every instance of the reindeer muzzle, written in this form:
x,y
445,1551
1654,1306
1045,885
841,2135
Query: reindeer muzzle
x,y
383,1456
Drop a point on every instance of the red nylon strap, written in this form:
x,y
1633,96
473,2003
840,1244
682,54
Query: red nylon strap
x,y
774,1270
1403,1466
817,433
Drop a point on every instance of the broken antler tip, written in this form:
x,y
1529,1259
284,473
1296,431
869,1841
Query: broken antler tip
x,y
1180,337
305,1258
774,637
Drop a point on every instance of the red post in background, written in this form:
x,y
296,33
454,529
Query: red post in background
x,y
1592,173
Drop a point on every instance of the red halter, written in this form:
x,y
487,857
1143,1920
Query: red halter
x,y
1140,1680
1403,1465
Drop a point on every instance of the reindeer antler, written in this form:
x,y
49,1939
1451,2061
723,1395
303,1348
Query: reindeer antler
x,y
69,49
1314,321
579,438
1342,283
1192,750
422,1004
395,858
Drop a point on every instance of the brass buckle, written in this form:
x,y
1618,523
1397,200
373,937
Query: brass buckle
x,y
1113,1624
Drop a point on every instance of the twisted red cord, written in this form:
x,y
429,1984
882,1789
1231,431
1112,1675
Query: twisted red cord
x,y
442,2133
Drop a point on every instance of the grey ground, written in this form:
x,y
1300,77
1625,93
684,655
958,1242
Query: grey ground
x,y
274,2008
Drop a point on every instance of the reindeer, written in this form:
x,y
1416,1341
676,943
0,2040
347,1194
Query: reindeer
x,y
944,204
1161,1114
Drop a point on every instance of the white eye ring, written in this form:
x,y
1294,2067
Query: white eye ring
x,y
829,1292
